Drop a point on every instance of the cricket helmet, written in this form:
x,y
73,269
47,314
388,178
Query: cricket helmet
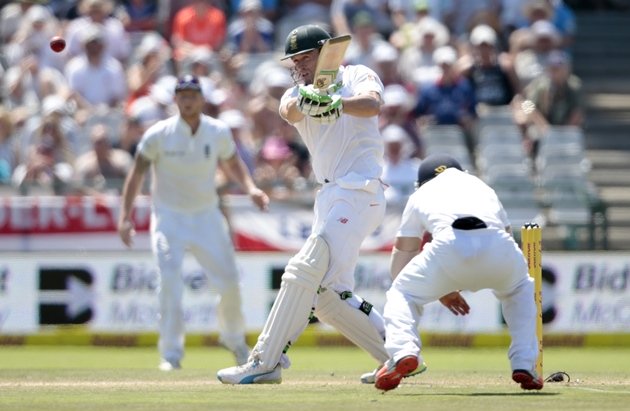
x,y
433,165
304,39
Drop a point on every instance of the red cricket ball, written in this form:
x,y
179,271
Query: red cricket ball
x,y
57,44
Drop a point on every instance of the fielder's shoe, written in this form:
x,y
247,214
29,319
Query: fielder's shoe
x,y
528,380
169,365
241,354
390,374
250,373
370,377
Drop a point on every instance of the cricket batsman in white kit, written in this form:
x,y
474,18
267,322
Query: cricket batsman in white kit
x,y
339,126
471,249
184,152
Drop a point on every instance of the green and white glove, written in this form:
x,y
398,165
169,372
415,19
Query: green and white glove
x,y
334,111
312,101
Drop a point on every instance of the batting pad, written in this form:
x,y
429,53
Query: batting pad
x,y
349,317
293,305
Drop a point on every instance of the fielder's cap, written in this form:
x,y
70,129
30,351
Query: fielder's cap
x,y
188,82
445,55
304,39
483,34
433,165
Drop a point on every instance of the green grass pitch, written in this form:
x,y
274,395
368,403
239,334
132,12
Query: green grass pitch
x,y
325,378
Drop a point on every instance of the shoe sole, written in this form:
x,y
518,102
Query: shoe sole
x,y
527,381
390,379
253,379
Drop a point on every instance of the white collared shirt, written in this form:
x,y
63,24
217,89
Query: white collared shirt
x,y
184,165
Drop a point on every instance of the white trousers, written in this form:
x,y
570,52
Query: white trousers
x,y
205,234
464,260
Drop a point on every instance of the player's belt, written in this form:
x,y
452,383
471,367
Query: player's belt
x,y
468,223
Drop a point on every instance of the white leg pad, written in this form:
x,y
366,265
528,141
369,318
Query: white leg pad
x,y
356,320
292,307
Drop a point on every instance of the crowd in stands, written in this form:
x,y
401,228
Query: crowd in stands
x,y
70,121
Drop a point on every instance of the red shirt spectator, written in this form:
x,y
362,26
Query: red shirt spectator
x,y
199,24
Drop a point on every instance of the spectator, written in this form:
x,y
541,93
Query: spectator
x,y
491,74
103,168
130,135
139,15
157,105
149,63
199,24
385,64
48,162
552,99
12,15
32,39
450,99
269,84
365,40
242,138
276,171
343,12
89,72
416,62
530,62
556,12
250,32
98,12
270,8
396,109
399,171
9,151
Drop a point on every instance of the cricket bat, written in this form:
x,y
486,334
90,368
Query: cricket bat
x,y
330,57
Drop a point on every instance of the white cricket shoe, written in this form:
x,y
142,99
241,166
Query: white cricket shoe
x,y
169,365
250,373
241,354
370,377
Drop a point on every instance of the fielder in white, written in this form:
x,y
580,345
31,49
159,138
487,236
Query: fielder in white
x,y
184,152
471,248
339,127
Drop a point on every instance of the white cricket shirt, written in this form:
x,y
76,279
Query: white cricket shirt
x,y
184,165
351,144
450,195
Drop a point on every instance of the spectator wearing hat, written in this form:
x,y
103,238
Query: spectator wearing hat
x,y
250,32
276,170
555,11
490,72
399,170
103,168
450,99
407,15
553,99
343,13
416,63
530,62
385,58
365,39
115,38
96,78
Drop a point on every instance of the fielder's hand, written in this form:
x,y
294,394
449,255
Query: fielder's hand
x,y
455,303
126,232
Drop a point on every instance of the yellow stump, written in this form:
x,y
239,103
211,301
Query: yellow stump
x,y
531,239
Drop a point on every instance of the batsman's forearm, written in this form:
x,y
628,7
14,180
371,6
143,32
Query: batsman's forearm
x,y
290,112
363,105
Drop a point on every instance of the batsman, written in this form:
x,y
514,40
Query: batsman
x,y
335,109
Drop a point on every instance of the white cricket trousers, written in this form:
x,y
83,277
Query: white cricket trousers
x,y
464,260
206,235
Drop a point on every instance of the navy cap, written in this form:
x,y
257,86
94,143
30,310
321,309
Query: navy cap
x,y
433,165
188,82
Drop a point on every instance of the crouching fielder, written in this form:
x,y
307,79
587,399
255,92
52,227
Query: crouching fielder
x,y
472,249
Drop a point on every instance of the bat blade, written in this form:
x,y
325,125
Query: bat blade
x,y
330,57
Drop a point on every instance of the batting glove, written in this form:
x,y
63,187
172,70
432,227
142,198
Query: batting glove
x,y
312,101
335,109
